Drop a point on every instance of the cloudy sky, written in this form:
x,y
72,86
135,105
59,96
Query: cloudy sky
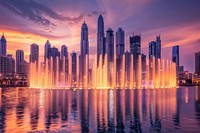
x,y
34,21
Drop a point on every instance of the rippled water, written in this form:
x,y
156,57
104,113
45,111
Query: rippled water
x,y
158,110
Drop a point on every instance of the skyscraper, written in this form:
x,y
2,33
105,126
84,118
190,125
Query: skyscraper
x,y
120,42
143,62
197,63
158,47
175,55
135,50
47,50
11,64
3,65
152,49
155,48
110,45
110,54
74,68
84,57
20,61
3,45
55,58
100,39
7,65
64,62
64,51
127,66
34,54
135,45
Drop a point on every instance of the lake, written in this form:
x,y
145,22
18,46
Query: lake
x,y
92,110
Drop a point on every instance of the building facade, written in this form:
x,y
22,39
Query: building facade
x,y
120,43
135,45
34,53
47,51
197,63
74,69
20,69
100,40
175,55
84,56
3,46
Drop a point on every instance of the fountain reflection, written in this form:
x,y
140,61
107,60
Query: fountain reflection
x,y
92,110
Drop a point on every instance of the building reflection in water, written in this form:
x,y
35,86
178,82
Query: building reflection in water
x,y
197,104
113,110
176,116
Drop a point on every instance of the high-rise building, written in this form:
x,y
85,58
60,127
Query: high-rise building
x,y
135,45
120,42
152,49
55,58
64,62
197,63
47,50
155,48
34,54
100,39
74,68
84,57
20,61
54,54
11,64
3,46
158,47
110,54
143,62
175,55
110,45
144,66
7,65
127,66
64,51
135,50
3,65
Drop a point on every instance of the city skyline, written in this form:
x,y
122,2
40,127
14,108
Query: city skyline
x,y
65,27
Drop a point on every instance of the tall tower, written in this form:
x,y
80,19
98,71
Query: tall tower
x,y
100,39
3,45
64,64
34,53
11,64
74,68
155,48
84,57
135,45
64,51
120,41
47,50
158,47
135,50
152,49
19,61
110,54
55,55
197,63
110,45
175,55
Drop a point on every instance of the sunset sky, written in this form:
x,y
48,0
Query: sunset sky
x,y
34,21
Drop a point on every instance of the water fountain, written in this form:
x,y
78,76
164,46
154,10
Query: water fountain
x,y
159,73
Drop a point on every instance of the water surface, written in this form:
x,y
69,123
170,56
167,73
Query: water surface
x,y
125,110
